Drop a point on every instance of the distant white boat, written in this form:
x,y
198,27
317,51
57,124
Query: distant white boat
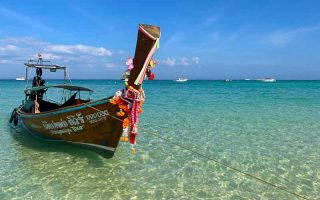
x,y
247,79
269,80
227,80
181,80
20,78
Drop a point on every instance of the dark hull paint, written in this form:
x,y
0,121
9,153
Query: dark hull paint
x,y
90,125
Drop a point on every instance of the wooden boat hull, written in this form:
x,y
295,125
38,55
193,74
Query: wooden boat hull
x,y
93,124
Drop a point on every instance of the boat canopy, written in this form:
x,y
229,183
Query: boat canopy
x,y
43,66
67,87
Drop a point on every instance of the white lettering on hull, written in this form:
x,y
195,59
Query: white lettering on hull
x,y
98,116
73,123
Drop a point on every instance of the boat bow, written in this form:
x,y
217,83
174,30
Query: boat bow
x,y
147,43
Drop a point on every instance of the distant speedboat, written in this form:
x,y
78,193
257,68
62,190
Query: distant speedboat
x,y
247,79
181,80
227,80
20,78
269,80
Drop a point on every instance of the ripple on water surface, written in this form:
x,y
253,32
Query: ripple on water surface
x,y
269,130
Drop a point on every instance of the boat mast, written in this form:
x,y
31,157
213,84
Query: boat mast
x,y
26,78
39,64
65,83
65,76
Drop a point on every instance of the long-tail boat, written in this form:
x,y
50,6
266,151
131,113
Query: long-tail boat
x,y
99,124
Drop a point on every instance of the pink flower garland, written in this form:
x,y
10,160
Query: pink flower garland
x,y
129,64
134,119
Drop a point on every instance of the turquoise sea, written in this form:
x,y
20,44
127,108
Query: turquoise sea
x,y
269,130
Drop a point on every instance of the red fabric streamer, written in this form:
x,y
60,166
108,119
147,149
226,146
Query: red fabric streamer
x,y
151,76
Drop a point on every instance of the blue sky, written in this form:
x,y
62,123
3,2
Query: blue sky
x,y
200,39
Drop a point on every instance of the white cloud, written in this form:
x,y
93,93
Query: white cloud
x,y
121,52
49,56
83,49
17,50
5,62
9,48
196,60
184,61
170,61
23,41
278,38
109,65
173,41
282,38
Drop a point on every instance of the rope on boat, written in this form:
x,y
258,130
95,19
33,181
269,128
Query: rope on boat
x,y
67,70
279,187
18,109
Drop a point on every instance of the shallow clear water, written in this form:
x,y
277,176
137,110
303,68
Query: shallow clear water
x,y
270,130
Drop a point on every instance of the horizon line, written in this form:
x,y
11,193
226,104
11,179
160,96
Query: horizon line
x,y
14,79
